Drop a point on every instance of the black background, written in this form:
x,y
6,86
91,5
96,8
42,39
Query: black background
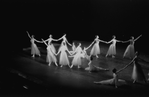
x,y
79,19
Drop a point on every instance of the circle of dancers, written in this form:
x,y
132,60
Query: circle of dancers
x,y
77,53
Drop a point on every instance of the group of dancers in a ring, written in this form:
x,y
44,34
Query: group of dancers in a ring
x,y
77,53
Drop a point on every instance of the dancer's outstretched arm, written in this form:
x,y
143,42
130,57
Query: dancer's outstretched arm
x,y
38,41
44,42
127,64
110,41
61,37
28,34
68,42
54,39
103,41
126,41
47,40
90,45
119,41
137,38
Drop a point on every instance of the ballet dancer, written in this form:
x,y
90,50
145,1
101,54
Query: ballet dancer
x,y
96,48
114,81
50,54
92,67
49,40
112,48
77,55
34,48
137,73
130,51
63,60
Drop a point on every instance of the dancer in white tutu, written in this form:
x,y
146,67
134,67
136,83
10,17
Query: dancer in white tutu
x,y
50,54
114,81
112,48
130,51
92,67
96,48
137,73
34,48
50,39
78,54
63,60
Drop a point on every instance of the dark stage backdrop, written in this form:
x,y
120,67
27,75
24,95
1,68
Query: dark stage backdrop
x,y
79,19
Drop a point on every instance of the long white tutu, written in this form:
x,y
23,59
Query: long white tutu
x,y
77,59
134,73
112,50
95,49
137,73
130,53
63,58
53,48
50,56
34,49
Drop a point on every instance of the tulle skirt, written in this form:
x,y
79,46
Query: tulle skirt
x,y
34,49
112,50
76,60
137,73
53,48
95,50
64,58
50,57
130,53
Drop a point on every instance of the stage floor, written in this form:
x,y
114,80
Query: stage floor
x,y
23,75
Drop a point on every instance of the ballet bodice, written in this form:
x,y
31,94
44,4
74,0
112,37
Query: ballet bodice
x,y
32,40
49,40
115,78
113,41
132,42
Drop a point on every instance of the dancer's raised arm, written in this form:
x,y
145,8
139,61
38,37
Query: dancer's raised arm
x,y
103,41
68,42
127,64
119,41
28,34
61,37
110,41
137,38
45,42
126,41
38,41
89,45
54,39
